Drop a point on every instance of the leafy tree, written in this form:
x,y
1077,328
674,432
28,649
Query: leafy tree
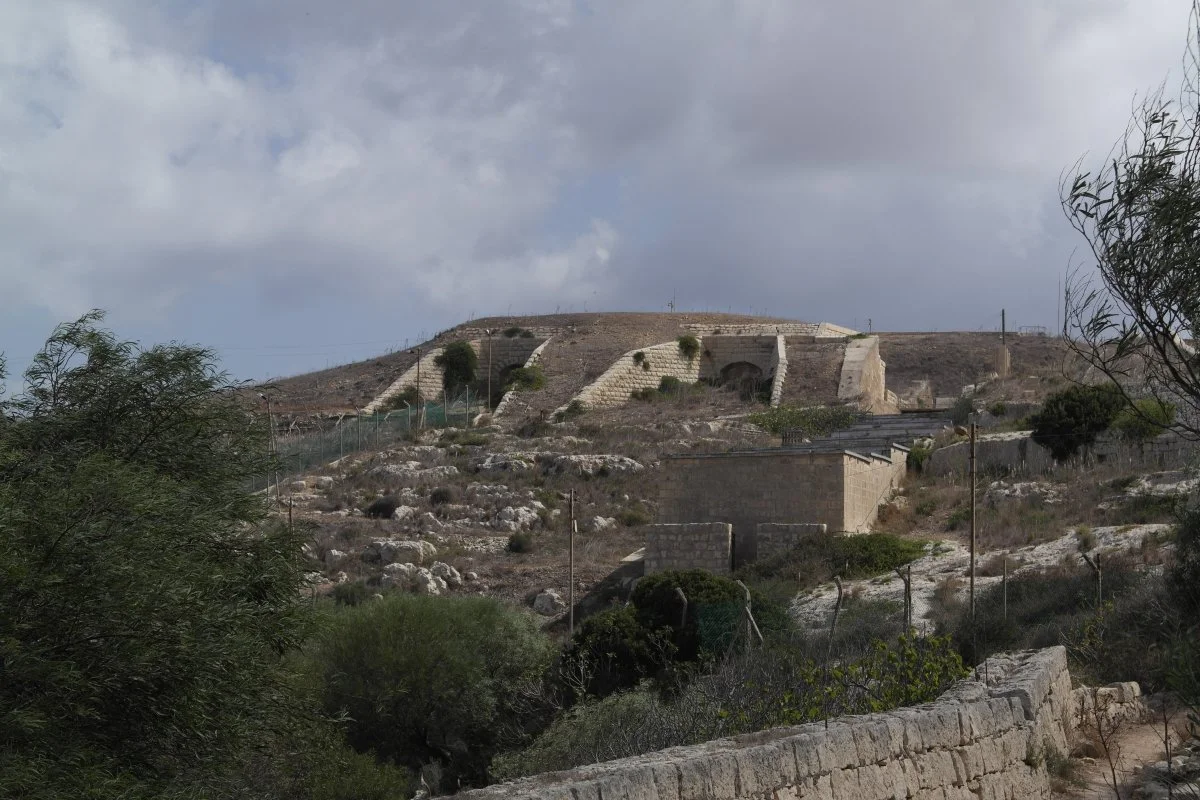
x,y
459,363
1071,419
1130,312
444,680
147,599
1144,419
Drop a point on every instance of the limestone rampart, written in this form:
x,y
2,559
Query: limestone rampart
x,y
781,370
863,378
626,376
507,401
986,738
701,545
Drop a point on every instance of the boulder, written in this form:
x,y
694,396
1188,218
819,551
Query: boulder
x,y
447,573
549,603
404,512
513,519
390,551
425,582
592,465
402,576
506,462
298,486
428,522
598,524
333,558
324,483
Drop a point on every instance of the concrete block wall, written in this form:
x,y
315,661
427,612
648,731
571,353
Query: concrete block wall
x,y
980,740
622,379
777,538
702,545
749,488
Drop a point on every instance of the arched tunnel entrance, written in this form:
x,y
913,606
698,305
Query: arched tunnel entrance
x,y
744,378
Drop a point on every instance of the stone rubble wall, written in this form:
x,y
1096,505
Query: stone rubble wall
x,y
617,385
703,545
984,739
777,538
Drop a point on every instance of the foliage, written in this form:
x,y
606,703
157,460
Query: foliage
x,y
147,599
998,408
633,517
515,331
520,542
526,379
1144,419
818,558
639,357
689,346
669,384
433,680
747,691
1072,418
463,438
961,411
408,397
807,421
352,593
442,495
459,363
1127,316
917,457
1183,579
382,508
614,651
574,409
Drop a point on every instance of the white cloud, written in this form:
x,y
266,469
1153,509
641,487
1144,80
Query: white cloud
x,y
423,149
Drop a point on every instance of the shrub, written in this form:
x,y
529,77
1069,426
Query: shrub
x,y
669,384
1071,419
459,362
1145,419
527,334
998,409
689,346
917,457
816,559
433,679
526,379
352,593
409,395
513,331
646,395
615,651
573,410
383,508
633,517
441,496
958,518
639,357
961,411
520,542
809,422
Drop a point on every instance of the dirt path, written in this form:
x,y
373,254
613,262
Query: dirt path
x,y
1137,745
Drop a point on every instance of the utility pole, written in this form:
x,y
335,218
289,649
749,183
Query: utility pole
x,y
1002,328
571,572
420,399
490,331
972,581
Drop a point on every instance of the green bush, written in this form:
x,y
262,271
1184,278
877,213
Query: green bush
x,y
633,517
961,411
459,363
1144,420
520,542
526,379
441,680
513,331
669,384
917,457
998,409
573,410
441,496
352,593
689,346
808,421
1071,419
408,395
646,395
639,357
819,557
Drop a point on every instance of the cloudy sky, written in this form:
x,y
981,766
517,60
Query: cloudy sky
x,y
299,183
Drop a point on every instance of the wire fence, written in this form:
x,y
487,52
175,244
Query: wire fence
x,y
300,453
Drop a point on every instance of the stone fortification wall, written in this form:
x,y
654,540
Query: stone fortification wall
x,y
863,375
431,381
985,738
625,377
749,488
777,538
869,482
721,351
508,401
703,545
817,330
504,353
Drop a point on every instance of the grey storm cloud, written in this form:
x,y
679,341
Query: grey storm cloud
x,y
840,160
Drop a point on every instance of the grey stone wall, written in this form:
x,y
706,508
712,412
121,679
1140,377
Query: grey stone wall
x,y
983,739
1017,452
749,488
703,545
776,538
863,376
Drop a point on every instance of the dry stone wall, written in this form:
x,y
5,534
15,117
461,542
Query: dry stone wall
x,y
703,545
984,739
1017,452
